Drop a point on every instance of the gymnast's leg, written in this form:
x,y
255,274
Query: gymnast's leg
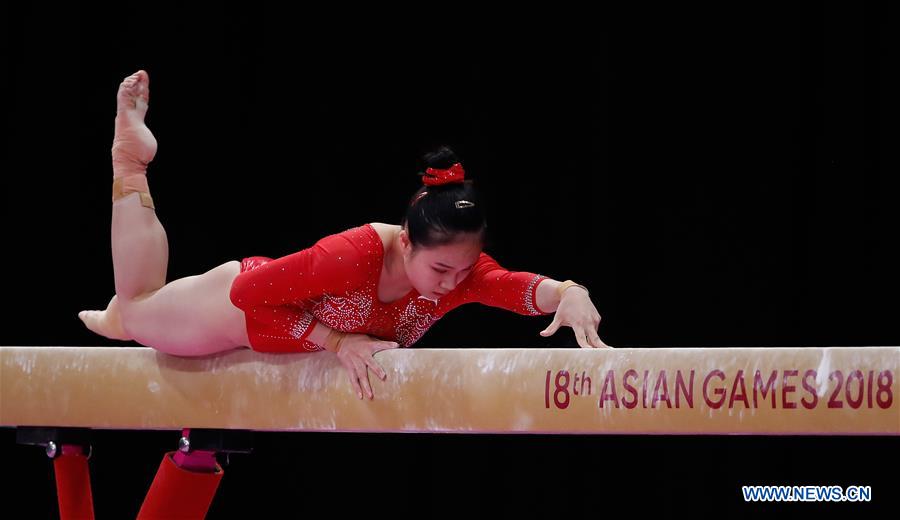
x,y
191,316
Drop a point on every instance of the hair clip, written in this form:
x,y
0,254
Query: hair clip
x,y
463,204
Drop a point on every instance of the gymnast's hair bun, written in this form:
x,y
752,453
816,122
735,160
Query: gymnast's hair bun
x,y
441,158
438,214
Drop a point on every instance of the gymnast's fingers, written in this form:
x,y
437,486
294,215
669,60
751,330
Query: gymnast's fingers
x,y
379,372
581,336
362,372
384,345
354,381
595,340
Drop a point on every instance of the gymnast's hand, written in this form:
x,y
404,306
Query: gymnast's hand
x,y
356,355
577,311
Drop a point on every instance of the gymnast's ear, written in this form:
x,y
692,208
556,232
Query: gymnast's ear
x,y
405,244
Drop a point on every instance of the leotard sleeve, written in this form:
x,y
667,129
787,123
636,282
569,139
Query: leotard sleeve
x,y
491,284
285,328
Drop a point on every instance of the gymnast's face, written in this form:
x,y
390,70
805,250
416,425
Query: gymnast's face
x,y
436,271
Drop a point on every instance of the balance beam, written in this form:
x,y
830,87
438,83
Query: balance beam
x,y
800,391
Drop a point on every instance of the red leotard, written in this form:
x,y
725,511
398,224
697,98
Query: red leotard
x,y
335,281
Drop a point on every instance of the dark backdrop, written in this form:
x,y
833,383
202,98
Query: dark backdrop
x,y
716,176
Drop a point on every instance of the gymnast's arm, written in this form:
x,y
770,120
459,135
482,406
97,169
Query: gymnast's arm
x,y
547,299
521,292
319,333
313,338
535,295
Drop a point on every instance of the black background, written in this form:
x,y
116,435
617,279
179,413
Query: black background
x,y
717,176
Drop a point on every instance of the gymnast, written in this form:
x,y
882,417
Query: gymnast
x,y
353,293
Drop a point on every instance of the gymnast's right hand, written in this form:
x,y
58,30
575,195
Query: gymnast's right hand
x,y
356,355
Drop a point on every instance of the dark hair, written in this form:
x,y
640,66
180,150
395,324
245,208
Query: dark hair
x,y
434,220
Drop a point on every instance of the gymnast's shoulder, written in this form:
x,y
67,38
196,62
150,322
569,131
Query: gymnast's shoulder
x,y
385,232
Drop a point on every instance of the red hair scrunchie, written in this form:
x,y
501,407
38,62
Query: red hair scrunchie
x,y
437,177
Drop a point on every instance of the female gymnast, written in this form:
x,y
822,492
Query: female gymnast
x,y
354,293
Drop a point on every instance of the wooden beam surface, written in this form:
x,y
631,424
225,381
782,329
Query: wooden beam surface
x,y
814,391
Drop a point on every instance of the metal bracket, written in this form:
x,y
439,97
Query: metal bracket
x,y
223,442
53,439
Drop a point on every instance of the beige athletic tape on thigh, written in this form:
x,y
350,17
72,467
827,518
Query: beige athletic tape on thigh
x,y
133,183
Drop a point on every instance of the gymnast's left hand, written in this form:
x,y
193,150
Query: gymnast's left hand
x,y
577,311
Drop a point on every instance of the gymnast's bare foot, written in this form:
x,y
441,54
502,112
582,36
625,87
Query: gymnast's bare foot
x,y
107,323
133,144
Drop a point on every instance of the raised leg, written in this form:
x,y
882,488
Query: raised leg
x,y
140,248
179,318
